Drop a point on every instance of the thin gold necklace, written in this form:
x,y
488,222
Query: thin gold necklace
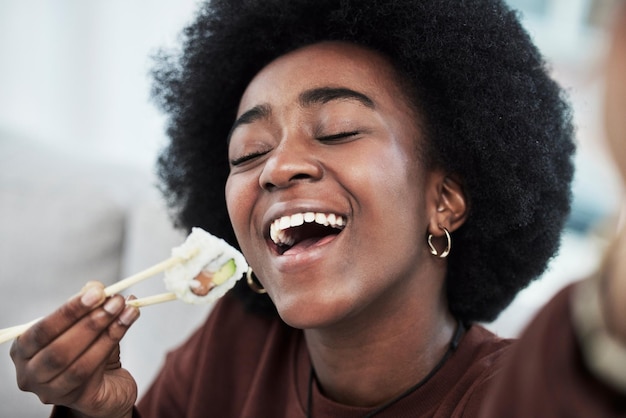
x,y
454,343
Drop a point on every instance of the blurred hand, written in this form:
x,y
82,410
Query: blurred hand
x,y
615,97
615,121
71,357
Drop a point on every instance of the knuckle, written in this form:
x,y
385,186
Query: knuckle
x,y
23,382
116,332
53,360
71,311
16,351
40,336
28,379
58,392
95,322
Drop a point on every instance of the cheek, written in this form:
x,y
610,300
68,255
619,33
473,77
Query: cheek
x,y
238,204
389,188
395,176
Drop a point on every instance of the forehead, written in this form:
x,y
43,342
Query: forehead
x,y
328,64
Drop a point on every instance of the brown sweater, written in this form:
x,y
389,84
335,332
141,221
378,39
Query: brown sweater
x,y
545,374
242,365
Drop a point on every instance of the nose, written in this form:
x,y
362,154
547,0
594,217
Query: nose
x,y
292,161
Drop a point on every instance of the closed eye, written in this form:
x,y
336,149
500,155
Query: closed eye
x,y
247,157
338,136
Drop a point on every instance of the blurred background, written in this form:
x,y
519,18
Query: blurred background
x,y
79,137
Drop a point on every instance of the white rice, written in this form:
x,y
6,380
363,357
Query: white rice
x,y
202,251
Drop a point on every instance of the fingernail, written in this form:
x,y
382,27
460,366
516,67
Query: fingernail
x,y
91,297
129,315
114,305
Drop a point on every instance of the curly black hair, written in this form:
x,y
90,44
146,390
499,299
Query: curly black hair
x,y
493,117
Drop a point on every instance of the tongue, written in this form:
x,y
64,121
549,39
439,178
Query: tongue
x,y
305,244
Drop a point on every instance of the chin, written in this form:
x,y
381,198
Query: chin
x,y
311,314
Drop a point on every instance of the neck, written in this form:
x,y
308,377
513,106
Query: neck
x,y
368,362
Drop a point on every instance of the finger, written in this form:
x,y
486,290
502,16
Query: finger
x,y
48,329
129,316
72,344
85,374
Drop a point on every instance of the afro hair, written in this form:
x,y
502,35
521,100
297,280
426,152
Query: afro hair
x,y
493,117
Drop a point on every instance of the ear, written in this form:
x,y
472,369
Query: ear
x,y
450,207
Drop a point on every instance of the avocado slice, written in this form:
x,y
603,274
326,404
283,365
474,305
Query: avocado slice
x,y
225,272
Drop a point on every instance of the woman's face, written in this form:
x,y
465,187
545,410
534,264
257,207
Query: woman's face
x,y
327,194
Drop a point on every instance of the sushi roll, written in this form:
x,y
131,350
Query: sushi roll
x,y
210,268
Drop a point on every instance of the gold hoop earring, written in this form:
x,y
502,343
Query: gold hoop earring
x,y
445,252
252,284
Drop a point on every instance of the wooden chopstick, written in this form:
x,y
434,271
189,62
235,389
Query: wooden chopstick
x,y
152,300
10,333
142,275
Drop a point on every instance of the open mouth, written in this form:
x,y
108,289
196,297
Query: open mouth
x,y
300,231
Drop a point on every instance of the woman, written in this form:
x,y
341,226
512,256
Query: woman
x,y
393,173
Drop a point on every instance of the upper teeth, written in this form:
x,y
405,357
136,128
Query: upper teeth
x,y
278,227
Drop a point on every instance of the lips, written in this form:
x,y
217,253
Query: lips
x,y
300,231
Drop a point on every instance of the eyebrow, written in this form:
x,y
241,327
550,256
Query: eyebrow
x,y
262,111
324,95
307,98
